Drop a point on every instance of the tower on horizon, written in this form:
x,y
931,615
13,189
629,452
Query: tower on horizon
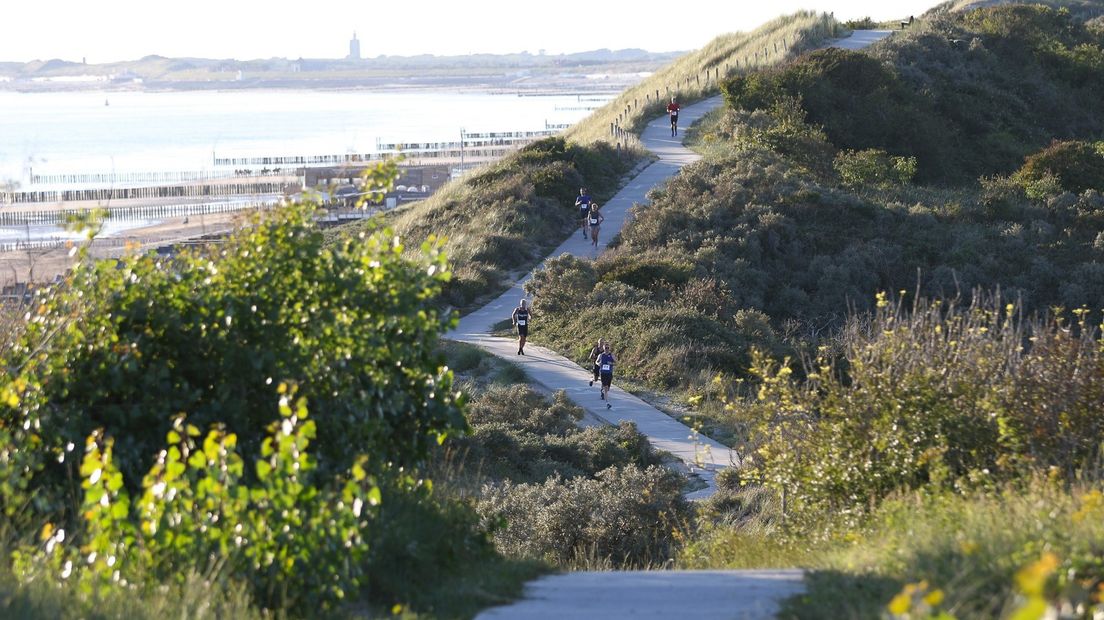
x,y
354,48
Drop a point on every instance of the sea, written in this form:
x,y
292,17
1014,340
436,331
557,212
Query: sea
x,y
52,133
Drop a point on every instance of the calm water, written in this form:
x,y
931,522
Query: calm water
x,y
52,133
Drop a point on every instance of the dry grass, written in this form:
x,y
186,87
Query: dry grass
x,y
697,75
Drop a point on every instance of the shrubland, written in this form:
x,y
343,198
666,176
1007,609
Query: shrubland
x,y
967,94
882,284
595,496
247,429
782,231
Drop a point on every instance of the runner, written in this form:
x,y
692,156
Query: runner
x,y
520,318
594,220
605,371
673,110
595,351
583,204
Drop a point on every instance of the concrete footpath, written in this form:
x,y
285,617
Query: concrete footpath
x,y
653,595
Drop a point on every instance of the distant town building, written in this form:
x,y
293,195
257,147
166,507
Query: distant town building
x,y
354,48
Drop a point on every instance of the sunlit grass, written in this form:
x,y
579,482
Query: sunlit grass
x,y
697,75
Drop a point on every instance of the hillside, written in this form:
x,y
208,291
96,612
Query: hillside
x,y
967,94
814,199
501,221
884,285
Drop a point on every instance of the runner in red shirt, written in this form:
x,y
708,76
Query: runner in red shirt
x,y
673,110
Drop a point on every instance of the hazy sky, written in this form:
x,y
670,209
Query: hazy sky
x,y
113,30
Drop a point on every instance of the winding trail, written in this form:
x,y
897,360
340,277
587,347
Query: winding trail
x,y
703,456
632,595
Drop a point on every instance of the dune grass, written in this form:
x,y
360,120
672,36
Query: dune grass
x,y
698,74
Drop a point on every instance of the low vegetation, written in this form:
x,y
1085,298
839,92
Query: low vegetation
x,y
781,232
591,497
501,221
883,285
967,94
698,74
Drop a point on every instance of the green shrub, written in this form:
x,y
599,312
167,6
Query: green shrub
x,y
293,536
518,435
928,398
783,129
1071,166
562,284
623,516
644,272
125,346
858,169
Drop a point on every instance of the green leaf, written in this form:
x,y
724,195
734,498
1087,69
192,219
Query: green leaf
x,y
263,469
198,460
174,470
119,511
1033,609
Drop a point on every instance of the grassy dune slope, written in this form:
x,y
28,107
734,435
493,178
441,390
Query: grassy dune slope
x,y
502,220
696,75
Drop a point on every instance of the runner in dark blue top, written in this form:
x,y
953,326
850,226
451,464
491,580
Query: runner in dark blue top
x,y
583,204
605,371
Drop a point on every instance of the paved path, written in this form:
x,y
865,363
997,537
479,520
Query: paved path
x,y
702,455
636,595
653,595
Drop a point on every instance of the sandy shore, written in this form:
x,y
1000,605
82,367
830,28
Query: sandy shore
x,y
41,265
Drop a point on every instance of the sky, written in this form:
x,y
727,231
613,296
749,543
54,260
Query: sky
x,y
117,30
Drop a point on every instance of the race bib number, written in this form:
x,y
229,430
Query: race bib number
x,y
594,220
521,323
606,368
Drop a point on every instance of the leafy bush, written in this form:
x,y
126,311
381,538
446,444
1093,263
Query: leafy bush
x,y
1072,166
518,435
624,516
873,167
125,346
294,537
563,283
925,399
